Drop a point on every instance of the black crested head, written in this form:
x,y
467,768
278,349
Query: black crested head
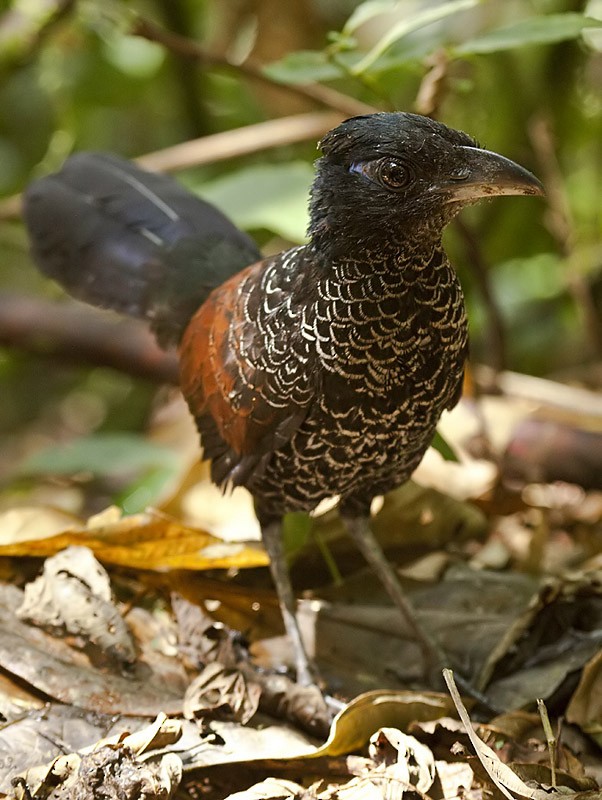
x,y
373,135
386,178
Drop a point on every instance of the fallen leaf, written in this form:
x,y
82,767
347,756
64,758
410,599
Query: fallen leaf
x,y
141,541
59,672
270,789
73,596
413,761
222,693
356,723
585,706
501,774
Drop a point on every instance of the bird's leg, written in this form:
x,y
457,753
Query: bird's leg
x,y
272,539
359,530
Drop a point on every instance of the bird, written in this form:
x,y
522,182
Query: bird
x,y
315,373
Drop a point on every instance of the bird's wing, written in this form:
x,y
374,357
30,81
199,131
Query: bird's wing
x,y
244,373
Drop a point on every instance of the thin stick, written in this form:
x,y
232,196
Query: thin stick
x,y
188,48
241,141
222,146
73,333
560,224
550,738
495,322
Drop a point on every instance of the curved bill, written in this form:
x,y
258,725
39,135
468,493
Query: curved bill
x,y
488,174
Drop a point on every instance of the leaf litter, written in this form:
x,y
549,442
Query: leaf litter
x,y
111,622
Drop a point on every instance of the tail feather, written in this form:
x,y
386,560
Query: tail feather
x,y
118,237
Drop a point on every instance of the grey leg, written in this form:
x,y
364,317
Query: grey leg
x,y
272,539
359,530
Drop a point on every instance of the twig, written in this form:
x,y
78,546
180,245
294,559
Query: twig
x,y
560,224
550,738
495,321
433,86
188,48
79,335
241,141
222,146
578,401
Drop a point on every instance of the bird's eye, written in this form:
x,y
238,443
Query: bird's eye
x,y
393,174
389,173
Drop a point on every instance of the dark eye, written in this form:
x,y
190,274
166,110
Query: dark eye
x,y
393,174
390,173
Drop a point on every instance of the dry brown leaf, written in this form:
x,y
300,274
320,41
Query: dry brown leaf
x,y
118,760
60,672
22,524
571,607
585,706
504,778
455,778
73,596
354,725
141,541
367,646
222,693
270,789
407,760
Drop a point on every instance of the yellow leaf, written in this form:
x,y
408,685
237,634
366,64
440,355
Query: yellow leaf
x,y
142,541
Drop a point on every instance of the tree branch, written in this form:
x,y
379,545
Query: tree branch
x,y
560,224
188,48
475,261
222,146
241,141
75,333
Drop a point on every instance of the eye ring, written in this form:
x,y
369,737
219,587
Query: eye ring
x,y
393,174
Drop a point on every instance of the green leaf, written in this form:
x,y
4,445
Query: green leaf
x,y
102,454
366,11
443,447
304,66
144,492
407,26
534,30
520,281
271,196
296,528
134,56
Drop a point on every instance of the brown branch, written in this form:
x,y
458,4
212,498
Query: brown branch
x,y
433,86
241,141
475,261
83,336
188,48
580,403
560,224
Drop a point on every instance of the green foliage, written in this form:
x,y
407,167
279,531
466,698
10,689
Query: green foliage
x,y
270,196
528,32
143,466
442,446
108,454
407,26
307,66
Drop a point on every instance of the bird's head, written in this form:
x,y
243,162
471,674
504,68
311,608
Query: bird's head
x,y
387,177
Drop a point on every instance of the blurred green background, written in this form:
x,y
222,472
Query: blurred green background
x,y
522,76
